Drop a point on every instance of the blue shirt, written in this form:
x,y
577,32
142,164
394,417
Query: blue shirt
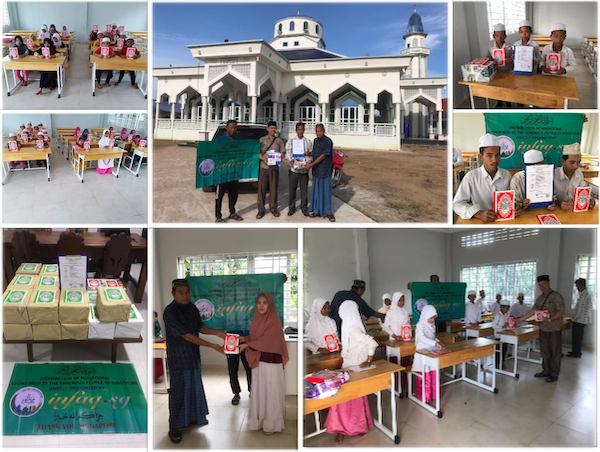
x,y
224,137
342,296
181,319
323,146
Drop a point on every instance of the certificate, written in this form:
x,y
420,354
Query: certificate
x,y
298,148
539,185
523,60
72,272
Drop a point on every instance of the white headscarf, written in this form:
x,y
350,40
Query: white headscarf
x,y
318,325
428,329
57,36
396,317
103,143
351,320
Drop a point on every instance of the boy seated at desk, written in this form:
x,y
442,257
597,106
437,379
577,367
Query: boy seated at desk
x,y
517,183
123,54
13,137
109,54
499,324
497,43
472,310
519,309
525,33
567,60
40,136
475,195
99,39
568,177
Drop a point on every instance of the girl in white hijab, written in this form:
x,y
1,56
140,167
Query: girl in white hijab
x,y
353,417
425,338
105,139
396,317
319,326
105,166
57,41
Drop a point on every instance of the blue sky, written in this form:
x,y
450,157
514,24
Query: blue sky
x,y
350,29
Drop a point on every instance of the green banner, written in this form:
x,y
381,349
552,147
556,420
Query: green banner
x,y
546,132
227,302
225,161
60,398
448,298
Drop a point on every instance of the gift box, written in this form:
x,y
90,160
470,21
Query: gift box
x,y
499,57
299,162
553,62
510,323
98,329
73,307
24,281
273,158
47,282
43,307
14,305
541,315
73,332
113,305
332,342
91,296
14,53
14,332
479,70
49,332
130,53
29,269
94,284
133,327
407,333
231,344
49,270
327,384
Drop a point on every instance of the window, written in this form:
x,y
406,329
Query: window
x,y
415,42
292,25
586,269
131,121
285,44
296,43
308,112
499,235
507,12
305,26
280,28
349,111
249,264
508,278
317,29
5,16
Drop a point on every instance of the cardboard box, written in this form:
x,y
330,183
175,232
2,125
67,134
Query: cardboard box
x,y
43,307
91,296
73,308
479,70
24,281
113,305
74,332
14,305
49,270
50,332
98,329
14,332
29,269
47,282
132,328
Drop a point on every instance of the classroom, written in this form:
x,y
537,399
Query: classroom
x,y
75,74
528,142
497,407
250,262
479,85
83,168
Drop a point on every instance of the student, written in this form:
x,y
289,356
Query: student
x,y
13,137
123,135
23,51
111,132
322,166
567,61
57,41
267,355
268,176
525,33
81,140
111,54
495,306
519,309
77,132
387,302
497,43
93,36
40,136
517,183
298,175
358,348
47,78
123,54
231,187
52,29
396,317
568,177
43,33
99,38
358,290
482,302
475,195
425,338
434,278
457,158
499,324
104,139
319,325
22,129
582,316
472,310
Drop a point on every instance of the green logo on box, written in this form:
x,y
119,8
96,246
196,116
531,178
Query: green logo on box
x,y
23,280
15,296
51,268
74,296
92,296
93,312
113,295
29,267
47,281
44,296
132,314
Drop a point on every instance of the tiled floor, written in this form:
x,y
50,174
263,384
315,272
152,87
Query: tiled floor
x,y
228,426
135,354
525,412
28,197
77,91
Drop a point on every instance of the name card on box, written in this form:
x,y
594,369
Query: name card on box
x,y
14,53
130,53
231,344
46,52
39,145
541,315
94,284
553,62
273,158
581,200
504,205
13,146
332,342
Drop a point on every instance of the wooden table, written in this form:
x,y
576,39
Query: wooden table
x,y
516,337
314,363
379,336
159,350
33,63
455,327
120,64
93,247
481,330
26,153
96,154
461,353
529,216
114,342
539,90
372,381
595,181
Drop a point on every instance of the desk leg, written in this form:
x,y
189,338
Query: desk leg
x,y
59,79
487,103
119,166
6,169
438,393
141,156
139,291
30,353
471,97
393,406
566,104
48,165
9,90
113,356
141,83
94,79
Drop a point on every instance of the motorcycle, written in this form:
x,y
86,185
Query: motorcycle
x,y
338,165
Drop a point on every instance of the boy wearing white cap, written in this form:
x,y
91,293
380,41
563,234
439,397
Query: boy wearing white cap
x,y
517,183
111,53
475,194
472,310
483,306
525,33
499,324
498,43
567,61
519,309
568,177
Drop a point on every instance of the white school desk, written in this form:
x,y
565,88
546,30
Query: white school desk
x,y
33,63
96,154
26,153
159,350
516,337
128,161
481,330
120,64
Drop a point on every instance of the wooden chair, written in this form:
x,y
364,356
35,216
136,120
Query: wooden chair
x,y
25,248
116,255
70,244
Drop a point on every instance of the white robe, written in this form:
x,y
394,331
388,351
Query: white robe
x,y
423,339
395,319
318,327
472,313
498,323
358,348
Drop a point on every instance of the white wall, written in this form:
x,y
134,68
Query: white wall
x,y
579,17
11,122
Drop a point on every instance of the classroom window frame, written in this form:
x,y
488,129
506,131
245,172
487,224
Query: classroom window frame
x,y
488,237
507,12
131,121
248,264
589,273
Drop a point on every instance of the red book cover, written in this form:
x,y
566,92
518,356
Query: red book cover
x,y
332,342
231,344
94,283
440,352
120,42
24,137
46,52
406,333
29,43
87,146
39,145
41,37
64,34
130,53
553,62
548,219
142,144
504,205
95,28
108,27
90,137
105,51
46,137
130,138
541,315
500,57
121,29
14,53
13,146
581,200
510,323
111,143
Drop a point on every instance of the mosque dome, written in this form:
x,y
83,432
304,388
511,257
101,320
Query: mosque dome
x,y
415,24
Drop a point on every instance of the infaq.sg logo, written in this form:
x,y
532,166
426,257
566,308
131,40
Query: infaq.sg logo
x,y
26,402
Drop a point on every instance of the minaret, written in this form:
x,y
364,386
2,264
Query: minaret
x,y
415,46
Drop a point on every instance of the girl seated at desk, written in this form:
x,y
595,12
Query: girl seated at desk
x,y
320,325
23,51
57,41
425,338
105,166
13,137
47,78
81,139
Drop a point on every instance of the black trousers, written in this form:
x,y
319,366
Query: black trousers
x,y
577,338
131,75
551,351
232,189
302,179
233,364
109,75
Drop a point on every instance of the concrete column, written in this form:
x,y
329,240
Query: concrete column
x,y
440,129
172,114
253,109
372,119
399,121
157,115
276,114
325,114
183,114
205,110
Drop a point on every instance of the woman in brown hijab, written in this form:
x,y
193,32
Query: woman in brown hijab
x,y
267,354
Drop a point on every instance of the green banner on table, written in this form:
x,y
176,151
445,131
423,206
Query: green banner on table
x,y
225,161
546,132
227,302
59,398
448,298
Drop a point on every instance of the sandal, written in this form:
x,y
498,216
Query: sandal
x,y
259,215
175,435
220,220
314,215
235,217
276,214
330,217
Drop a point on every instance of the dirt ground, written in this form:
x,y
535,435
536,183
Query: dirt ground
x,y
406,186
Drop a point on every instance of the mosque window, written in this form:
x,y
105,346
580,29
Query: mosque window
x,y
305,26
285,44
280,28
292,25
415,42
317,29
296,43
